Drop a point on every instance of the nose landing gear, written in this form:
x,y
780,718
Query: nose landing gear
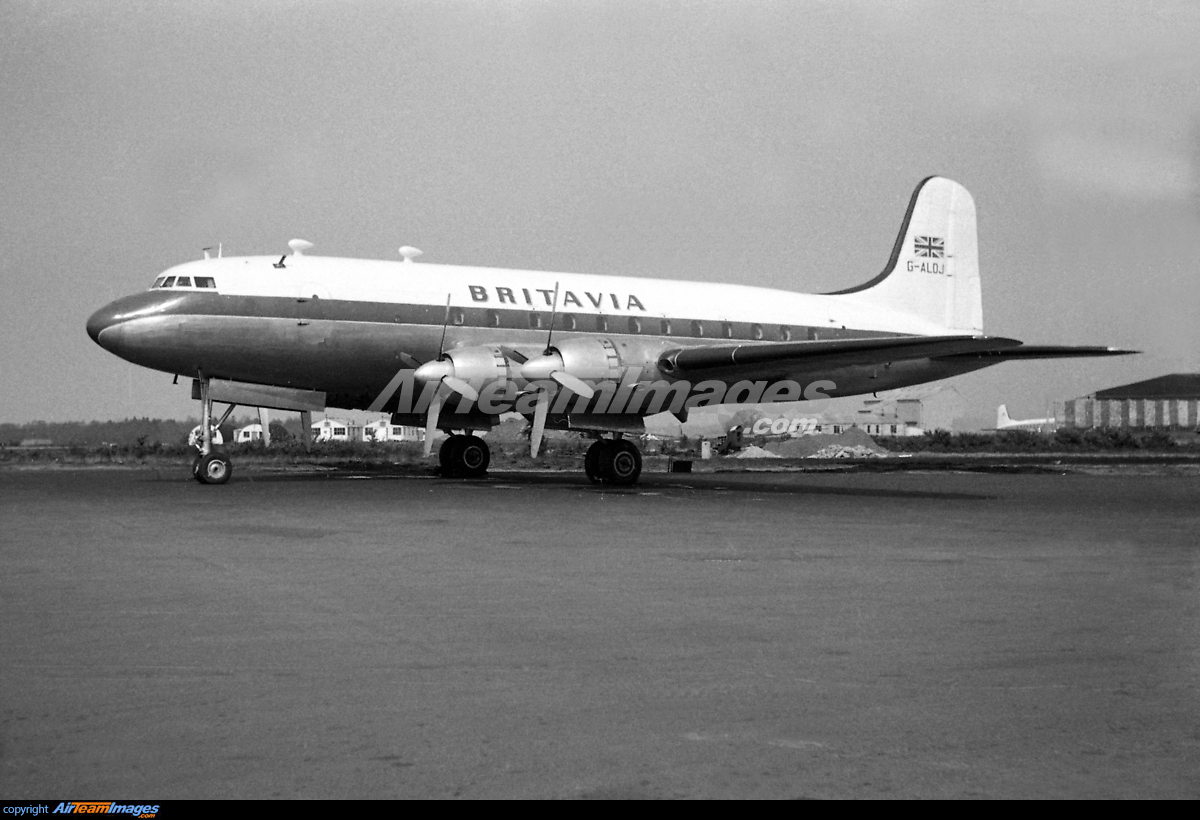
x,y
214,468
210,467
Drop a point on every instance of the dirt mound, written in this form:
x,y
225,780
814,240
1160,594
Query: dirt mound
x,y
755,452
854,442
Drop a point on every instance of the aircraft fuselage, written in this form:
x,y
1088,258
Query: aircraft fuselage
x,y
346,326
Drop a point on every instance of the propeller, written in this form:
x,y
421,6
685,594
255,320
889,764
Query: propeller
x,y
441,372
550,364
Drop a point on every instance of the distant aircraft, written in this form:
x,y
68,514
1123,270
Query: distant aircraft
x,y
452,347
1003,422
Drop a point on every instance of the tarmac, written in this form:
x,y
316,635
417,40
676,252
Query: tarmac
x,y
340,635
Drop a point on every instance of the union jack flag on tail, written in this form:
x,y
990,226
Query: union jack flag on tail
x,y
930,246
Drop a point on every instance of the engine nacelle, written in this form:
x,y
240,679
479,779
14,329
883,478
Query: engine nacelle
x,y
592,359
479,364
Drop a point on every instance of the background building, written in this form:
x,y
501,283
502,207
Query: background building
x,y
1167,402
336,430
384,430
910,411
251,432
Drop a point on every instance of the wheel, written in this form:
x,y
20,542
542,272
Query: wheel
x,y
447,456
472,457
623,464
214,468
593,459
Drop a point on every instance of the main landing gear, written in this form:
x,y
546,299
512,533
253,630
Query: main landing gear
x,y
464,456
613,461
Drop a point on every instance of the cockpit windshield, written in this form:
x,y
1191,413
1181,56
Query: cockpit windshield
x,y
188,282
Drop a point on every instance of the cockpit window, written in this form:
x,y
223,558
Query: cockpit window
x,y
184,282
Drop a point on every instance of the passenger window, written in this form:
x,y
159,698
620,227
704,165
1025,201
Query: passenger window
x,y
813,336
602,324
567,321
205,282
457,316
785,333
756,332
665,326
727,330
169,283
697,327
493,318
635,324
535,320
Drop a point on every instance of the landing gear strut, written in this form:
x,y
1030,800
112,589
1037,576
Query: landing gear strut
x,y
616,462
210,467
464,456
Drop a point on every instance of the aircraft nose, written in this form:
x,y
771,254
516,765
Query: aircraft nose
x,y
98,321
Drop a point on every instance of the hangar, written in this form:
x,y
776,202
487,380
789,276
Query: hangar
x,y
1166,402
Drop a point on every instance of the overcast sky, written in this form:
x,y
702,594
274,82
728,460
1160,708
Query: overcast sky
x,y
766,143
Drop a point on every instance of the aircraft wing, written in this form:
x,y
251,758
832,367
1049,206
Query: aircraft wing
x,y
783,357
1039,352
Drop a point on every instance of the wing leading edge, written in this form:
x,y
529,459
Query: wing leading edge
x,y
831,353
785,356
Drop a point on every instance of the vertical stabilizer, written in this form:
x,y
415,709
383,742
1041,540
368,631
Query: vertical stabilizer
x,y
1002,419
933,272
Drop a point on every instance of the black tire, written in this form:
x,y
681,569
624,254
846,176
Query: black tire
x,y
622,464
593,459
472,457
196,467
447,458
214,468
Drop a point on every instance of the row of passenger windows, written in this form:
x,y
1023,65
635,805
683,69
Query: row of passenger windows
x,y
633,324
184,282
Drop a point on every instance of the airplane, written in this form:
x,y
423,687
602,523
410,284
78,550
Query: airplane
x,y
451,347
1003,422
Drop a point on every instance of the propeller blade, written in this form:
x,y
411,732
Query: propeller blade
x,y
576,385
461,387
408,360
539,422
516,355
431,419
445,321
553,311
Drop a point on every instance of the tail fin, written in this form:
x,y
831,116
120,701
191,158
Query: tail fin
x,y
1002,417
934,268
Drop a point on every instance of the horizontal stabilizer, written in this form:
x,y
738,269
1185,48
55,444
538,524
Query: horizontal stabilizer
x,y
785,356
